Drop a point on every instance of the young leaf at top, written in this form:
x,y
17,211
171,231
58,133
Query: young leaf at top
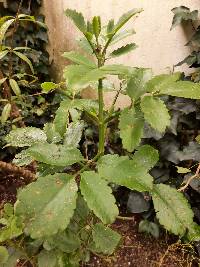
x,y
106,240
123,50
28,136
131,129
172,209
122,171
47,205
77,18
155,112
98,196
96,23
181,14
56,155
79,59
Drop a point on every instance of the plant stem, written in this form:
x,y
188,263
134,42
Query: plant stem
x,y
101,118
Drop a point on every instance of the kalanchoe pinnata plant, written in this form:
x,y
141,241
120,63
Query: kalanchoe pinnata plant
x,y
65,214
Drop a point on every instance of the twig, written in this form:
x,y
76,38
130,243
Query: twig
x,y
196,175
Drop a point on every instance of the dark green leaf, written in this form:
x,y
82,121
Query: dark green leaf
x,y
123,50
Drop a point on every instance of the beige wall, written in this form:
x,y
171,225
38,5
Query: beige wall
x,y
159,48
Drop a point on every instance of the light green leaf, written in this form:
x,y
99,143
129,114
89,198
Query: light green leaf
x,y
182,170
52,135
12,229
62,117
28,136
98,196
47,205
131,129
182,89
124,172
24,58
56,155
106,240
3,54
96,25
79,59
145,157
6,113
161,81
73,134
155,112
194,232
15,87
172,209
125,18
136,86
3,254
48,86
2,80
122,35
4,28
77,18
23,158
47,259
123,50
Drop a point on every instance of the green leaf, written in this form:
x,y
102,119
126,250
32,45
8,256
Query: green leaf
x,y
3,254
172,209
62,117
52,135
73,134
149,227
12,229
48,86
79,59
23,158
6,113
2,80
96,23
194,232
3,54
4,28
56,155
125,18
182,170
185,89
124,172
181,14
14,257
28,136
47,205
122,35
106,240
145,156
110,26
77,18
123,50
155,112
136,86
15,87
98,196
131,129
47,259
24,58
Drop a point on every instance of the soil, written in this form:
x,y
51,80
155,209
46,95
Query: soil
x,y
136,250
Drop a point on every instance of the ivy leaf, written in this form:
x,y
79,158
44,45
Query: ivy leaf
x,y
185,89
136,86
47,205
24,58
73,134
145,156
48,86
131,129
79,59
172,209
155,112
122,171
77,18
106,240
98,196
123,50
125,18
181,14
4,28
3,254
28,136
56,155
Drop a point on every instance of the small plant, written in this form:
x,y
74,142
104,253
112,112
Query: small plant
x,y
65,213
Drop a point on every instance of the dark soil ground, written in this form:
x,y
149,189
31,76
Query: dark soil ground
x,y
136,250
